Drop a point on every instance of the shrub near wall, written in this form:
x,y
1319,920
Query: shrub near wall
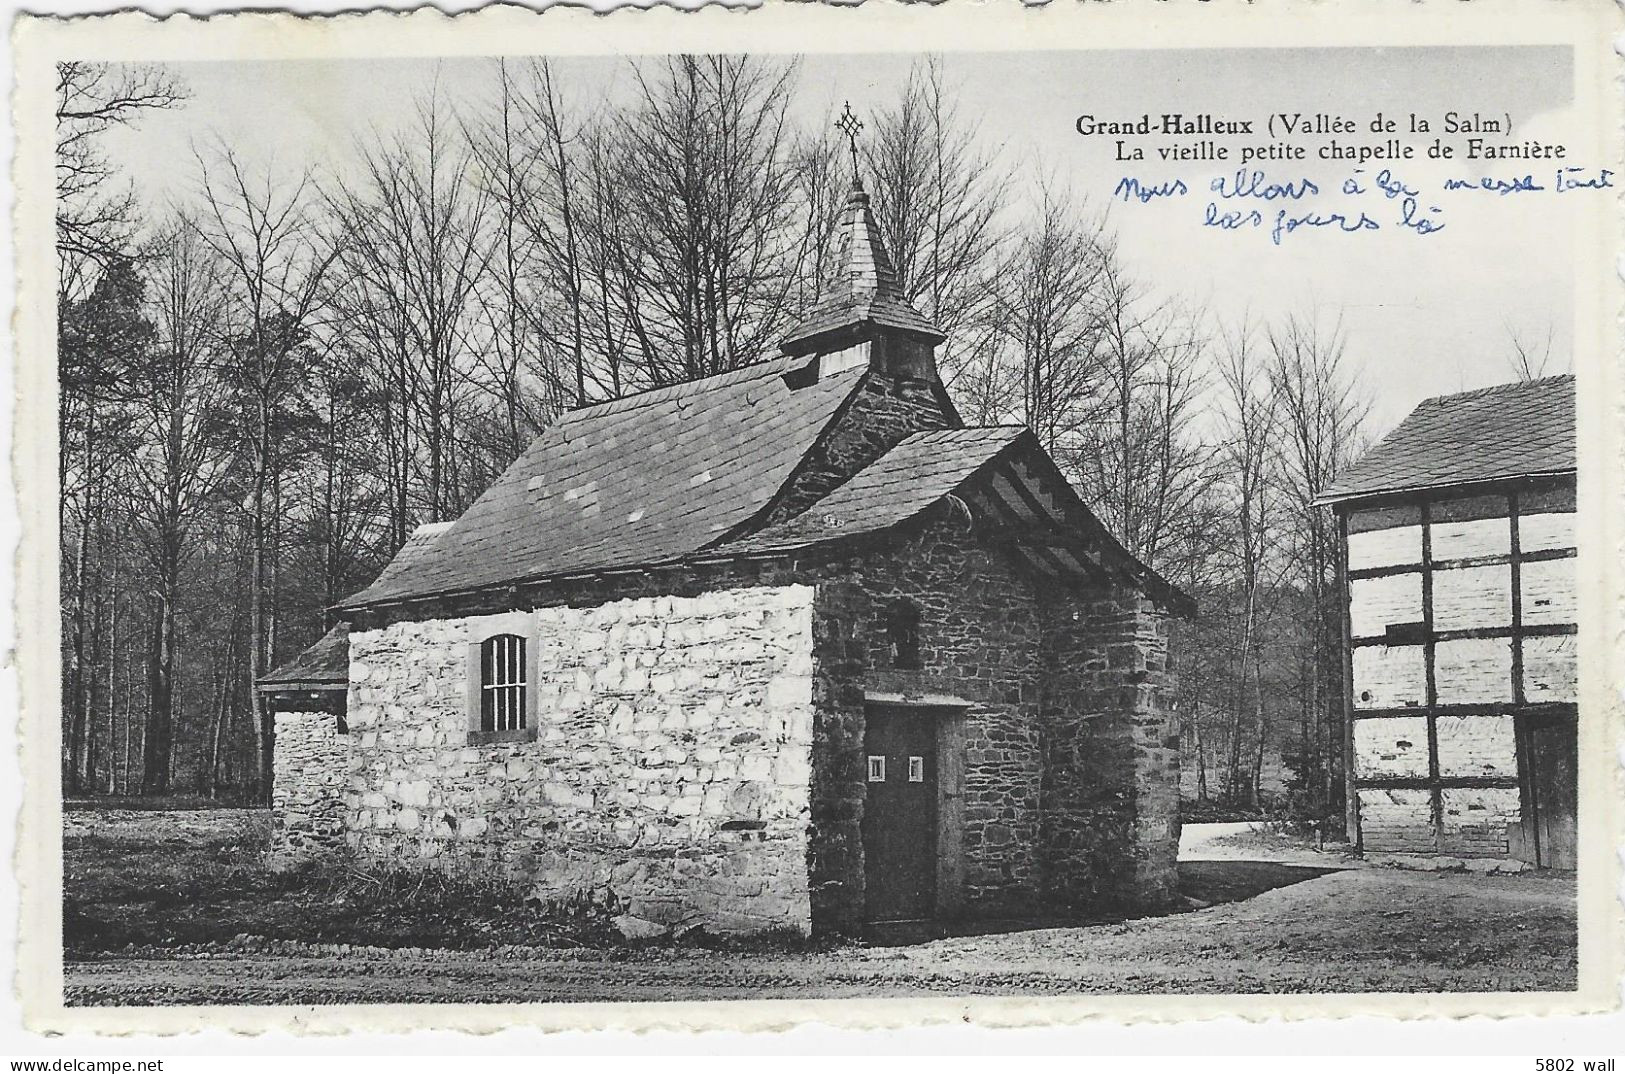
x,y
669,772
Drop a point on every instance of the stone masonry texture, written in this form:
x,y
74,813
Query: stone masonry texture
x,y
667,779
1111,778
1069,754
979,641
307,800
884,412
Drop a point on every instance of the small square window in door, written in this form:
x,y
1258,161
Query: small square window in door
x,y
877,769
916,769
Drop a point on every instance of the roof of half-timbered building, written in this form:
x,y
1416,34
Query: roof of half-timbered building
x,y
1492,434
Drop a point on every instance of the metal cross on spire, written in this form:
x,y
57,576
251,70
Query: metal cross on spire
x,y
851,125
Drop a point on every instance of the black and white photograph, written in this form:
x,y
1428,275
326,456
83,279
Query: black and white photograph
x,y
816,522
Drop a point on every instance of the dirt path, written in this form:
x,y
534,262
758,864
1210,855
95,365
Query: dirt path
x,y
1348,930
1253,841
1197,842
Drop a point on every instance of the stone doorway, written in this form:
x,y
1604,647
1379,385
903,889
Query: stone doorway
x,y
900,816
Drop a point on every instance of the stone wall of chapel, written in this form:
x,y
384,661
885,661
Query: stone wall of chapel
x,y
667,779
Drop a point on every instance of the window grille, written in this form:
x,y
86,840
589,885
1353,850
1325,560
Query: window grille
x,y
502,683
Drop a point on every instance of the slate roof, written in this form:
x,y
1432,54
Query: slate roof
x,y
910,477
865,289
326,663
642,480
1512,430
416,547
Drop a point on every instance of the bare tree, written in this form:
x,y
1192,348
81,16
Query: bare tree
x,y
1046,311
1319,414
369,302
706,257
176,400
1248,415
1528,358
264,231
99,339
823,179
530,355
938,195
95,218
1138,458
414,247
343,487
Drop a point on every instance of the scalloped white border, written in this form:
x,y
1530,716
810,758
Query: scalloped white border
x,y
782,27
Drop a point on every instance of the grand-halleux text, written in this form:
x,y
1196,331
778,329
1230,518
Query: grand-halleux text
x,y
1282,134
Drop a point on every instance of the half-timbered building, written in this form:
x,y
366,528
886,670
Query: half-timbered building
x,y
1460,545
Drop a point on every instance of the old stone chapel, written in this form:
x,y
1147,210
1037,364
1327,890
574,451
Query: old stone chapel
x,y
786,648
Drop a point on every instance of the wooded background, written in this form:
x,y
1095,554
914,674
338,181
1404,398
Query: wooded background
x,y
269,379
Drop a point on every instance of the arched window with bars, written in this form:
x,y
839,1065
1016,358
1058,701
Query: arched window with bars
x,y
502,683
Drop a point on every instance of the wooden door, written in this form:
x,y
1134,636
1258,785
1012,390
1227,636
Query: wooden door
x,y
900,815
1555,785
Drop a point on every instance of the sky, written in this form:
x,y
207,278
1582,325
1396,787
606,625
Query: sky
x,y
1423,314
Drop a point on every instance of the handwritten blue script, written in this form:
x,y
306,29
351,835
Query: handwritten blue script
x,y
1359,203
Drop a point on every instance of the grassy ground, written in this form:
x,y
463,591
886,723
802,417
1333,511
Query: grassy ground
x,y
194,877
183,886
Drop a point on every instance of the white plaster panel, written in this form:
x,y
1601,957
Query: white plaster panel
x,y
1374,603
1395,821
1478,745
1462,540
1391,747
1539,532
1548,592
1385,548
1474,820
1472,670
1389,676
1549,669
1465,598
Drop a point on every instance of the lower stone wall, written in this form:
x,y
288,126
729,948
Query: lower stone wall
x,y
668,777
840,657
700,757
978,642
1111,779
310,758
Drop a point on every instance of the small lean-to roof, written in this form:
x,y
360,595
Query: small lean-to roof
x,y
641,480
912,476
326,664
1509,431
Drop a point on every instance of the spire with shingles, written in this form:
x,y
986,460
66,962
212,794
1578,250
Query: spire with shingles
x,y
864,298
